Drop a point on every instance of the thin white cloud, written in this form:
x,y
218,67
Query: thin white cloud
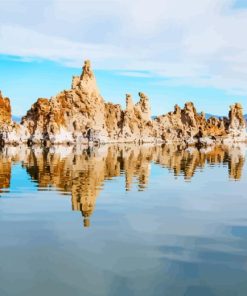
x,y
26,43
136,74
197,42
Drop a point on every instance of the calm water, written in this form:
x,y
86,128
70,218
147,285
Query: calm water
x,y
123,220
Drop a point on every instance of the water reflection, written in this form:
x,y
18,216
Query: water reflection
x,y
5,172
82,172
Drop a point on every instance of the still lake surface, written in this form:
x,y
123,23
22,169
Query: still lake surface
x,y
123,220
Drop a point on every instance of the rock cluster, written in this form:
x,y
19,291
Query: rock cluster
x,y
188,126
80,114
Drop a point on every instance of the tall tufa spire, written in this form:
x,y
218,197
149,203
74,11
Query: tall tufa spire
x,y
87,72
129,102
87,81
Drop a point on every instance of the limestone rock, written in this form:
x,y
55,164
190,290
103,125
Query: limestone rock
x,y
143,107
236,125
189,126
236,117
67,116
5,110
10,132
80,114
129,103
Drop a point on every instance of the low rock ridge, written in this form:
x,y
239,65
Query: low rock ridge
x,y
80,116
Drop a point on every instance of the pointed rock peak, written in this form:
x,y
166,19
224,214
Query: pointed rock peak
x,y
3,100
237,106
142,96
86,82
87,72
177,109
129,102
189,107
144,105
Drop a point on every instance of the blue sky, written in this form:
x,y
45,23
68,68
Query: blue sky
x,y
173,51
240,4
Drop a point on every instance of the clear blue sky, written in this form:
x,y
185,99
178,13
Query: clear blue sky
x,y
173,51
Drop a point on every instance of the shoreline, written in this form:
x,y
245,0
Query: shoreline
x,y
198,143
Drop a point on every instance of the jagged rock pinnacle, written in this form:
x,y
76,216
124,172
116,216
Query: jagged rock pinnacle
x,y
87,72
86,82
129,102
70,115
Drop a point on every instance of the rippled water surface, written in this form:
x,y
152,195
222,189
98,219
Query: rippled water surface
x,y
123,220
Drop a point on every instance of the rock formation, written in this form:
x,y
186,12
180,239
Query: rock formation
x,y
187,125
10,132
68,116
5,110
236,117
80,114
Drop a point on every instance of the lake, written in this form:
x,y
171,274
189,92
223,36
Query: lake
x,y
123,220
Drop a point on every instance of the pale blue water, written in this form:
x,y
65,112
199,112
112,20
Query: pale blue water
x,y
178,228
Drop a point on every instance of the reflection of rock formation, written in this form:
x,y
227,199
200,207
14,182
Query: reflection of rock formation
x,y
186,162
8,156
5,172
136,165
82,173
79,174
236,162
73,173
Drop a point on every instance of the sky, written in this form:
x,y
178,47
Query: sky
x,y
172,50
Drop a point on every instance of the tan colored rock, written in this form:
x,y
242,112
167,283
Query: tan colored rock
x,y
189,126
5,110
143,107
236,117
10,132
80,114
129,103
67,116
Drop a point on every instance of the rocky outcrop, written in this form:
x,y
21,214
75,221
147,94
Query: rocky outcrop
x,y
10,132
68,116
80,115
187,125
236,124
5,110
236,117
